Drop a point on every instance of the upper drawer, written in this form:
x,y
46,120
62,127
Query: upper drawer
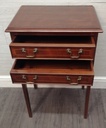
x,y
69,47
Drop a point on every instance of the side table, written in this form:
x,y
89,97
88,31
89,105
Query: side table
x,y
54,44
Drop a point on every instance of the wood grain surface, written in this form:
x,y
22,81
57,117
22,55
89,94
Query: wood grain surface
x,y
55,19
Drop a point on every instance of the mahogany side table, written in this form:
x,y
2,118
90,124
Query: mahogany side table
x,y
54,44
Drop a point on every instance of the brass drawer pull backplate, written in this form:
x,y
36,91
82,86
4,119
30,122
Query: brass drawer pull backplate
x,y
29,56
80,51
29,82
78,79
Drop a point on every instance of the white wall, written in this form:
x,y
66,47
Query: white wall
x,y
8,8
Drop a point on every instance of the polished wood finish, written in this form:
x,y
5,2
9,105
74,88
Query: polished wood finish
x,y
62,79
87,101
83,87
55,19
50,47
43,71
35,86
54,44
52,67
26,95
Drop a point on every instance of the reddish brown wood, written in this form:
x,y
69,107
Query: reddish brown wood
x,y
53,47
53,71
26,96
83,87
62,79
52,53
51,31
55,19
87,101
59,67
35,86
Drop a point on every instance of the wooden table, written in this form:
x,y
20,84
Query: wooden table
x,y
54,44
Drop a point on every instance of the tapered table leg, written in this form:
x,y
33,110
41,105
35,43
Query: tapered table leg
x,y
83,87
35,86
26,96
87,101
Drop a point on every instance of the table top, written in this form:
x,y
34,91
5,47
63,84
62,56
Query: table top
x,y
55,19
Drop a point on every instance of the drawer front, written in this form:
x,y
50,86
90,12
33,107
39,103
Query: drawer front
x,y
65,79
43,52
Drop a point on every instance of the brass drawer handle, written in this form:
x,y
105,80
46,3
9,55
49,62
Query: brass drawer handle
x,y
23,49
78,79
35,78
74,57
74,83
29,56
35,50
68,78
24,77
68,50
29,82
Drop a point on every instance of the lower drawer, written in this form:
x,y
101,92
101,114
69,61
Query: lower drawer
x,y
60,71
62,79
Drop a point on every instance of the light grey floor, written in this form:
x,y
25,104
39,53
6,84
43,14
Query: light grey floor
x,y
52,108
